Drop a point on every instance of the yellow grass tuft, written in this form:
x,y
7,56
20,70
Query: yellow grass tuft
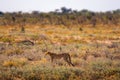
x,y
10,64
15,62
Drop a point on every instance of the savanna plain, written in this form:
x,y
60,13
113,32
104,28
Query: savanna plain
x,y
94,51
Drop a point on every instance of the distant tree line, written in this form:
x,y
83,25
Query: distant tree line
x,y
64,16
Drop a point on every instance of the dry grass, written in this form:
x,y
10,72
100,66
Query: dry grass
x,y
95,52
15,62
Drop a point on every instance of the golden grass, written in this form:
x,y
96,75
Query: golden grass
x,y
64,34
15,62
92,50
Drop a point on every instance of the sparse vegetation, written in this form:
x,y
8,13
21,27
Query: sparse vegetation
x,y
91,39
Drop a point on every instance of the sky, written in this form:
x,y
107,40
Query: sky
x,y
51,5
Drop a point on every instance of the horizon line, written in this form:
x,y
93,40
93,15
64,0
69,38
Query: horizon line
x,y
30,11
